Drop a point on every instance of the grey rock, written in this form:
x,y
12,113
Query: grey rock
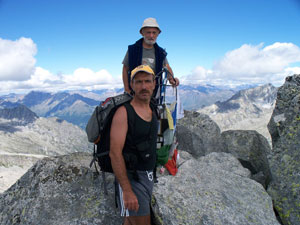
x,y
63,190
284,128
60,191
198,134
214,189
251,149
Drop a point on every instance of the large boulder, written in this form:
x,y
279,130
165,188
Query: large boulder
x,y
214,189
284,128
198,134
251,149
61,191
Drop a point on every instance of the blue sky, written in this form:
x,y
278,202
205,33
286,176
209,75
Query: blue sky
x,y
73,44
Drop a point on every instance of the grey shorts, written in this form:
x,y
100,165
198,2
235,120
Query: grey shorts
x,y
143,191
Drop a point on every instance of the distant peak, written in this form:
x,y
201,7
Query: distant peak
x,y
20,112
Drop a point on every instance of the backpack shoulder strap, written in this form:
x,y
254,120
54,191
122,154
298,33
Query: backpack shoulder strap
x,y
130,116
154,107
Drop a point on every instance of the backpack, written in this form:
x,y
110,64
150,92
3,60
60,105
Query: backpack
x,y
102,116
98,132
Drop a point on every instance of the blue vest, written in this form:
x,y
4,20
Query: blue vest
x,y
135,54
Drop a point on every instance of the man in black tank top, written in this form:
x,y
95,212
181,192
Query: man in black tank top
x,y
135,191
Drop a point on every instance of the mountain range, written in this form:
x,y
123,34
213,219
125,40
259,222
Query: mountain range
x,y
248,109
76,107
231,108
194,97
244,109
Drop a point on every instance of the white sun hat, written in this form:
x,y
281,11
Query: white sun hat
x,y
150,22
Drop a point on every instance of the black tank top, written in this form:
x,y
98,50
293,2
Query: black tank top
x,y
141,139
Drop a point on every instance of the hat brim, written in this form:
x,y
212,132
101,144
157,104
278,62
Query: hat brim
x,y
150,26
142,70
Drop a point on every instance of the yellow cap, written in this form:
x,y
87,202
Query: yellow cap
x,y
141,68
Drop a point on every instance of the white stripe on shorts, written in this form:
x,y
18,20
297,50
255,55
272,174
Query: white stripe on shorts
x,y
124,212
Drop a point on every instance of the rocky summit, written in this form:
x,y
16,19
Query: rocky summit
x,y
59,191
63,190
284,128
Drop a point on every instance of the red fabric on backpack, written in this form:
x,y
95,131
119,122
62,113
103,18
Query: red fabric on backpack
x,y
171,164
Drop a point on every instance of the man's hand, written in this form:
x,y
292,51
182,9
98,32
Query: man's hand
x,y
130,201
174,81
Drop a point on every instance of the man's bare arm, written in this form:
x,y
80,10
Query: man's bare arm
x,y
118,131
125,79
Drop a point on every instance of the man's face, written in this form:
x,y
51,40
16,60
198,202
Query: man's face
x,y
143,85
150,35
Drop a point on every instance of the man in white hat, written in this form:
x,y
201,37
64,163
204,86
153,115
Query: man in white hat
x,y
146,52
133,133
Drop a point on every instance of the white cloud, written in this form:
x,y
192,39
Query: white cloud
x,y
279,78
43,79
87,77
18,72
247,64
17,59
198,75
253,61
251,64
292,70
82,78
